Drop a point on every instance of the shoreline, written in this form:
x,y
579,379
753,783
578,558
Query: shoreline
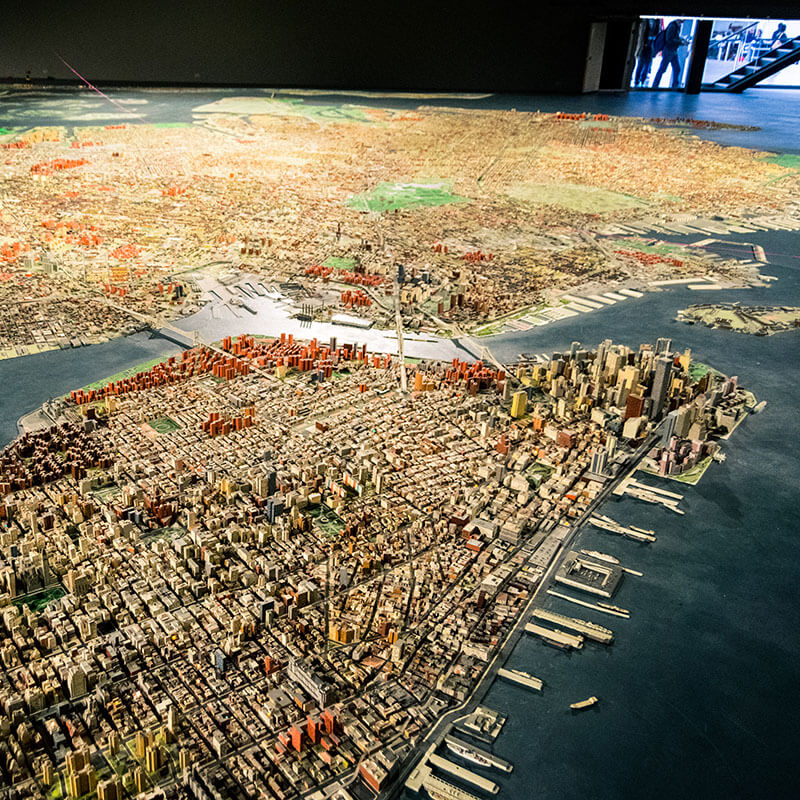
x,y
582,299
506,648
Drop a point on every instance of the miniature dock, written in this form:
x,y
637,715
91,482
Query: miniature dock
x,y
583,603
521,678
587,629
436,787
478,752
648,493
610,525
483,724
589,574
423,778
463,774
557,637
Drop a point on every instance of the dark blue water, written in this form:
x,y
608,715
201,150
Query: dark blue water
x,y
698,692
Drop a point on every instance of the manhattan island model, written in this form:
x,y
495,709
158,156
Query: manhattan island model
x,y
285,566
262,559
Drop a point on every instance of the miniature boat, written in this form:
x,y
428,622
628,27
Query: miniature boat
x,y
613,608
469,754
601,556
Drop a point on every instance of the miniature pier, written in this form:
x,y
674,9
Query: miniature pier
x,y
612,560
593,606
589,574
648,493
494,761
632,532
436,787
483,724
589,630
423,777
463,774
522,678
556,637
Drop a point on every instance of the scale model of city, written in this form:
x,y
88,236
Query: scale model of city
x,y
290,560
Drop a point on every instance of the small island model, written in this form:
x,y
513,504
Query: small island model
x,y
757,320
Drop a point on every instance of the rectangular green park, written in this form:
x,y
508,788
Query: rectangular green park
x,y
397,196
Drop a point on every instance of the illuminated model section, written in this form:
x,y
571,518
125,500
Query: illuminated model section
x,y
254,568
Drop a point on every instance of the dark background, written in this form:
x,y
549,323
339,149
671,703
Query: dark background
x,y
385,44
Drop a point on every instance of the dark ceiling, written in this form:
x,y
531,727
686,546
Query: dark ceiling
x,y
388,44
696,8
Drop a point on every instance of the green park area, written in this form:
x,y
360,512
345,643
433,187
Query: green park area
x,y
55,793
697,369
162,425
339,263
328,521
168,533
286,107
659,248
38,601
788,160
643,246
574,196
105,493
538,473
691,476
498,325
396,196
597,123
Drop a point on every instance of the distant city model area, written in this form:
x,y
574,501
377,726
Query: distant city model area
x,y
500,220
288,553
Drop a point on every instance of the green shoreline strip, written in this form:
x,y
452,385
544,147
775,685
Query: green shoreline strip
x,y
125,373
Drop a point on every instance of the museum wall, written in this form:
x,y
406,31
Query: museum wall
x,y
513,47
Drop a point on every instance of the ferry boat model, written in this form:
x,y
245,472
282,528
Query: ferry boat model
x,y
467,753
601,556
522,678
